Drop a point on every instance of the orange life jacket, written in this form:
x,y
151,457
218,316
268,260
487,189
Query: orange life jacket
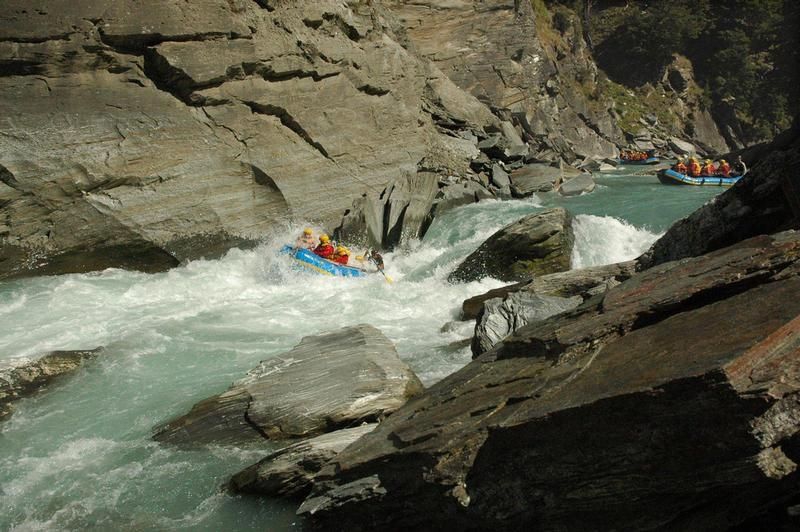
x,y
324,250
680,168
724,170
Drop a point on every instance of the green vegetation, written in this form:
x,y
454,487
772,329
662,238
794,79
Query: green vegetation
x,y
745,54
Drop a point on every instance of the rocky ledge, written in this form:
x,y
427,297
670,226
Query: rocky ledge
x,y
23,377
328,382
670,401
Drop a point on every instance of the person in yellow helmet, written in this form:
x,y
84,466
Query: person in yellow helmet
x,y
306,239
708,169
341,256
724,168
694,167
325,248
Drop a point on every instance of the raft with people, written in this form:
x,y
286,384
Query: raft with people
x,y
707,174
638,157
328,258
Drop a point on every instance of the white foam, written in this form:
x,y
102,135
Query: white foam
x,y
603,240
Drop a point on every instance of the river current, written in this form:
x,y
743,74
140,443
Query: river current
x,y
78,456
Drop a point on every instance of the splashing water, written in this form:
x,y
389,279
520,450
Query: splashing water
x,y
79,455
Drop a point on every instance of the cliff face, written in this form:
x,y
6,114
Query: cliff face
x,y
139,134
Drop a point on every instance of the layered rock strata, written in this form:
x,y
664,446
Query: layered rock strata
x,y
141,134
670,401
537,244
327,382
23,377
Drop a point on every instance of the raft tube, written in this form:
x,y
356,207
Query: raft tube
x,y
671,177
308,260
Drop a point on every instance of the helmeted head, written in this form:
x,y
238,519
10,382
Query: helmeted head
x,y
307,231
341,250
324,239
723,162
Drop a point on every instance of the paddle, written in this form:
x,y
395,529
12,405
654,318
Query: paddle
x,y
379,266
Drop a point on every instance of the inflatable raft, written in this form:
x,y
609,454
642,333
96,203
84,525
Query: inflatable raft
x,y
306,259
649,160
671,177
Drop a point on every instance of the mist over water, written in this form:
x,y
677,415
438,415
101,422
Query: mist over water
x,y
79,455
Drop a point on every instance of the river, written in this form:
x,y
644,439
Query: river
x,y
79,455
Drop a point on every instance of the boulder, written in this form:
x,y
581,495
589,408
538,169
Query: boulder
x,y
681,147
288,472
538,177
537,244
458,194
23,377
329,381
677,388
501,317
761,202
583,183
500,177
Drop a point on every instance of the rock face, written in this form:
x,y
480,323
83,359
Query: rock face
x,y
670,401
289,471
534,178
328,382
761,202
535,245
502,311
141,134
22,378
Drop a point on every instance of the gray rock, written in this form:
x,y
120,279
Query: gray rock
x,y
500,177
577,185
501,317
568,412
329,381
538,177
23,377
681,147
289,471
537,244
459,194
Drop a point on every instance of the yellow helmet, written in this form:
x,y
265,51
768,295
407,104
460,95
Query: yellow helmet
x,y
341,250
722,161
324,238
708,161
307,231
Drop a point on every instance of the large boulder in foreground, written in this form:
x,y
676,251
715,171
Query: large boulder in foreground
x,y
669,402
23,377
537,244
288,472
328,382
766,200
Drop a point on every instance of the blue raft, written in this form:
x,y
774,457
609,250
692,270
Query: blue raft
x,y
308,260
649,160
671,177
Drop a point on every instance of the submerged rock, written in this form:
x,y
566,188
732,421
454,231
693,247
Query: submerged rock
x,y
327,382
534,245
23,377
289,471
678,388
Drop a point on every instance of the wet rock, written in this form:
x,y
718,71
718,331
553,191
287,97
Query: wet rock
x,y
583,183
288,472
681,380
328,382
23,377
538,177
456,195
537,244
761,202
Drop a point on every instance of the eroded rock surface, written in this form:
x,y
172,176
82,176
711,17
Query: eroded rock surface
x,y
537,244
23,377
328,382
141,134
678,388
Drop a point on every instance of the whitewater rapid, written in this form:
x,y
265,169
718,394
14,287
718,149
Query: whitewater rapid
x,y
79,455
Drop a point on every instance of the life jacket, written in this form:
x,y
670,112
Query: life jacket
x,y
324,250
724,170
694,169
680,168
340,259
708,170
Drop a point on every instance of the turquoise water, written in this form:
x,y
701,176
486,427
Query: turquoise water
x,y
79,456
